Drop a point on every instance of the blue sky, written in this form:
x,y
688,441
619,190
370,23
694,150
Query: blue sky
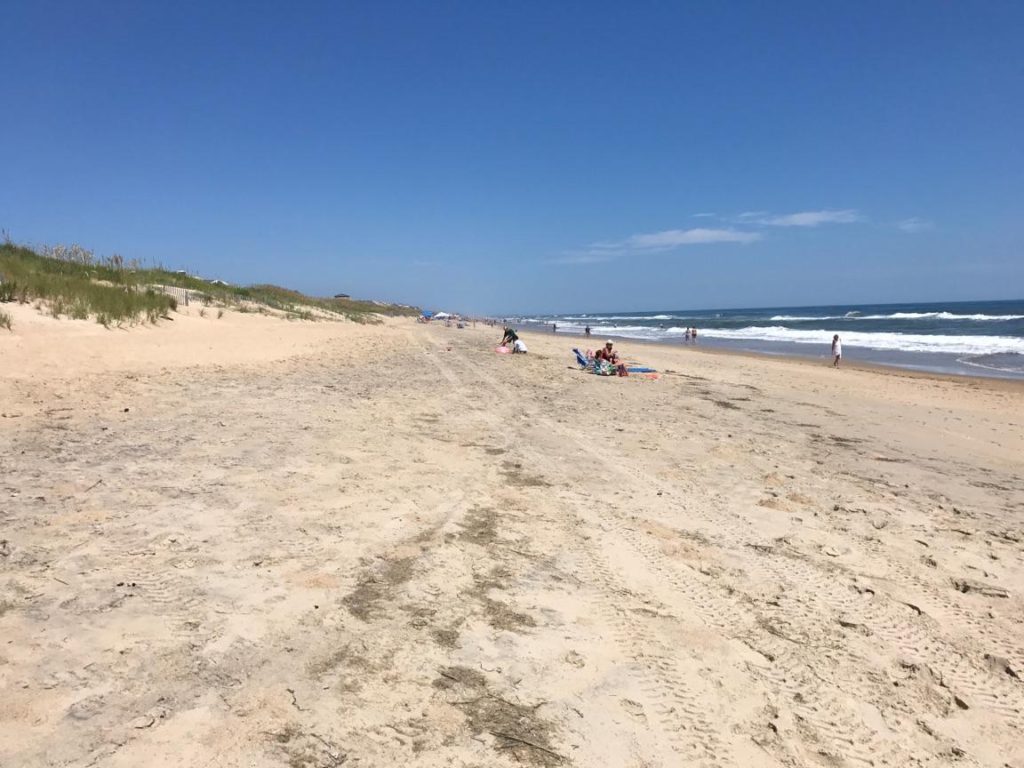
x,y
529,157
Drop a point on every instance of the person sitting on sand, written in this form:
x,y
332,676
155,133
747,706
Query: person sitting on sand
x,y
609,355
837,351
519,346
509,338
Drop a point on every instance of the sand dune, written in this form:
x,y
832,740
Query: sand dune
x,y
260,543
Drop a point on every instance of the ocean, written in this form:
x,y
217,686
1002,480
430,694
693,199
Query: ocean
x,y
981,338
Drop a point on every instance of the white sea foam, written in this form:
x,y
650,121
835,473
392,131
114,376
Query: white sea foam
x,y
799,318
906,342
963,346
1006,363
626,331
789,318
603,318
898,316
941,316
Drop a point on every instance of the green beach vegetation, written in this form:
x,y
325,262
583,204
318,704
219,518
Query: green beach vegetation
x,y
71,281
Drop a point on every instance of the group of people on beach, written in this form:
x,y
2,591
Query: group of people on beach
x,y
604,362
608,355
511,339
608,358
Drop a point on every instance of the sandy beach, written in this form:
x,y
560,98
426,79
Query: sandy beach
x,y
252,542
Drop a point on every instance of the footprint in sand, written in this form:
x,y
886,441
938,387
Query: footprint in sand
x,y
634,709
575,659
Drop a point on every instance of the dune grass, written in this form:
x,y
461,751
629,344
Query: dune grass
x,y
294,305
73,284
70,281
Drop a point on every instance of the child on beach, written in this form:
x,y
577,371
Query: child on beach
x,y
837,351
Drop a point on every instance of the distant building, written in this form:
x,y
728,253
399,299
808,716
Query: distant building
x,y
342,296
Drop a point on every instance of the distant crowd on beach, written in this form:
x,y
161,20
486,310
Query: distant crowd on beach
x,y
510,341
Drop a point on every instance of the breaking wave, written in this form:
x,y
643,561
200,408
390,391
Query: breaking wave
x,y
905,342
898,316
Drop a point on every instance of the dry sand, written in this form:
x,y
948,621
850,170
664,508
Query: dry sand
x,y
248,542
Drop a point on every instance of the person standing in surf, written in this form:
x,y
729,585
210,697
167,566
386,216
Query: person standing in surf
x,y
837,351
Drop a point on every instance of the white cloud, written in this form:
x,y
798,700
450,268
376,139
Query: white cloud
x,y
812,218
915,224
703,215
653,242
674,238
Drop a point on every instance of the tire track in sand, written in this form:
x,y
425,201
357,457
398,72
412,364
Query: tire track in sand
x,y
834,721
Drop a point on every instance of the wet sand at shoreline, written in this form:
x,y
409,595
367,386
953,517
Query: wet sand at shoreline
x,y
290,544
853,358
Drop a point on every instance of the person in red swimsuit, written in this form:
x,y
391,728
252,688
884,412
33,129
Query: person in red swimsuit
x,y
608,353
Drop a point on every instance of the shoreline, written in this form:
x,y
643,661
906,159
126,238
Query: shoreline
x,y
997,383
983,339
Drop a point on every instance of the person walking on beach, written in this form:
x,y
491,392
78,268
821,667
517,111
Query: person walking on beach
x,y
837,351
554,327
